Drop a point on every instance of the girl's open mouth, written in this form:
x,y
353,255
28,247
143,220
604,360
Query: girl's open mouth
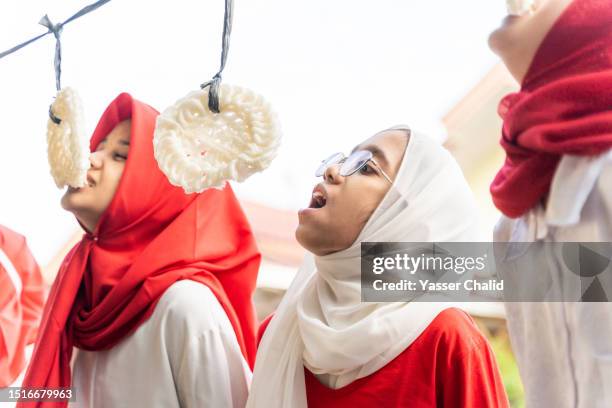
x,y
319,197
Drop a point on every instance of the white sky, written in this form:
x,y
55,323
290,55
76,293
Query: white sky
x,y
335,71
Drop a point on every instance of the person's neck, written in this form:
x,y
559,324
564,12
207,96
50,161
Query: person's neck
x,y
87,222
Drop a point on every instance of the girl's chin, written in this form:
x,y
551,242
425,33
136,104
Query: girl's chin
x,y
500,40
503,33
74,201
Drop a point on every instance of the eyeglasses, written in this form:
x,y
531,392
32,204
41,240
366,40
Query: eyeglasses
x,y
352,164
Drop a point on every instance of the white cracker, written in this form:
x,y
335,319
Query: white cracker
x,y
198,149
65,148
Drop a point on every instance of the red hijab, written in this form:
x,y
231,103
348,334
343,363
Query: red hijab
x,y
151,235
564,106
19,311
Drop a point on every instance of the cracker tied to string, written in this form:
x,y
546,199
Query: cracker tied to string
x,y
65,127
65,131
197,148
520,7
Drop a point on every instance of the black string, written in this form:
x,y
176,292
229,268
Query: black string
x,y
56,29
215,82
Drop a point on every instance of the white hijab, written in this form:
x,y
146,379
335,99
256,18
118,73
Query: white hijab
x,y
321,323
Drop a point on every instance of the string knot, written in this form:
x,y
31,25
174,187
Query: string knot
x,y
56,29
213,92
215,83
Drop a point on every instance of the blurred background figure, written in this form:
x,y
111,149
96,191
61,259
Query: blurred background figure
x,y
555,187
22,296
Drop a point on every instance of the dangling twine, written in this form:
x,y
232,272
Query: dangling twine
x,y
215,82
56,30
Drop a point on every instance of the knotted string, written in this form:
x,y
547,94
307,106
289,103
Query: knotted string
x,y
215,82
56,30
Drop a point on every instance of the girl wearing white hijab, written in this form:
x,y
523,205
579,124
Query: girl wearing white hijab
x,y
324,347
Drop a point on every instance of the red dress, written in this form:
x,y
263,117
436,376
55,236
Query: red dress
x,y
449,365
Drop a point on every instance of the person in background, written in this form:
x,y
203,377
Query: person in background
x,y
555,186
22,296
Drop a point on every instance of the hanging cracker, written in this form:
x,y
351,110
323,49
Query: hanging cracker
x,y
65,126
65,130
197,148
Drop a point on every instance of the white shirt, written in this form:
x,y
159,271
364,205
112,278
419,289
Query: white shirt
x,y
185,355
564,350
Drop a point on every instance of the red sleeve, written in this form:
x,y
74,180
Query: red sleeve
x,y
262,328
33,292
12,342
19,315
467,369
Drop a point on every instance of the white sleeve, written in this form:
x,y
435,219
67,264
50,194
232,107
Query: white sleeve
x,y
207,364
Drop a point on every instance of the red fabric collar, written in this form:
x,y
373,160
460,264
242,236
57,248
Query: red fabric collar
x,y
564,106
151,235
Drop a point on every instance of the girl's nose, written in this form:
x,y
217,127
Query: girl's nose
x,y
96,159
332,174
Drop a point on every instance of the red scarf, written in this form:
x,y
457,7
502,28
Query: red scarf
x,y
564,106
151,235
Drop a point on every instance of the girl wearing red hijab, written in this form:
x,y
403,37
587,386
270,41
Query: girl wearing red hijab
x,y
156,298
22,295
555,187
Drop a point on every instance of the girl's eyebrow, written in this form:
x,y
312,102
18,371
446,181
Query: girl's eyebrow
x,y
100,144
376,152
